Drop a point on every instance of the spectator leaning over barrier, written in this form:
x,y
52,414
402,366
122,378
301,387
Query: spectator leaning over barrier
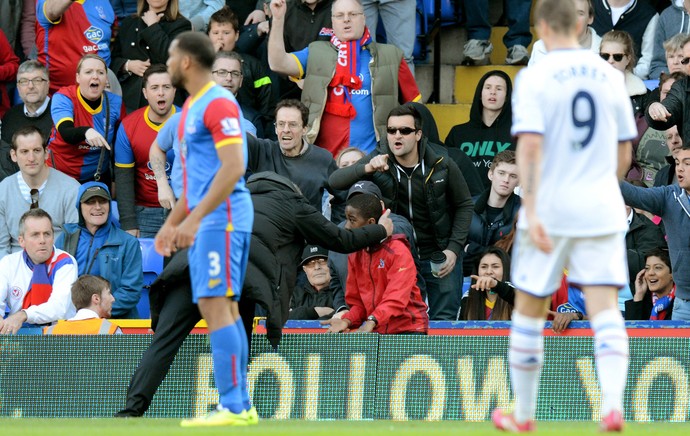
x,y
672,205
283,220
92,298
102,249
654,289
32,85
34,185
420,182
141,215
35,282
381,288
67,30
345,108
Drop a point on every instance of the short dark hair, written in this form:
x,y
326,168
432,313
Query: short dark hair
x,y
27,130
198,46
225,54
367,205
661,254
293,103
33,213
150,71
405,110
224,15
506,156
86,286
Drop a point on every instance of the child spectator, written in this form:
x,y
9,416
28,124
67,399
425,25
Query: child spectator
x,y
381,288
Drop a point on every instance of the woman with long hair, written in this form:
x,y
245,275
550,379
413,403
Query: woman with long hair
x,y
491,295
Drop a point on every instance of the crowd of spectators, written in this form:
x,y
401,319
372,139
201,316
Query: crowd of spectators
x,y
87,105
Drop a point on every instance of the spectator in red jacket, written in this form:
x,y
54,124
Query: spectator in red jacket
x,y
9,63
381,289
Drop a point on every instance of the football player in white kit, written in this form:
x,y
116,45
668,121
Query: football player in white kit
x,y
574,123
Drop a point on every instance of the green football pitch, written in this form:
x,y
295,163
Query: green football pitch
x,y
170,427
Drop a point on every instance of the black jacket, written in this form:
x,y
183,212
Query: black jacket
x,y
483,233
136,40
634,20
256,91
441,209
305,298
283,220
479,141
303,26
676,102
666,174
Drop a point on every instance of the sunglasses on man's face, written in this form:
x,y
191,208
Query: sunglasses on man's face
x,y
616,56
685,61
403,130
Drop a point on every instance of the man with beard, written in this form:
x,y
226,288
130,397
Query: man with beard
x,y
141,215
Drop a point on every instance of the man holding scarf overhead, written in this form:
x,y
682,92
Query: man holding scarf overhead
x,y
35,282
350,82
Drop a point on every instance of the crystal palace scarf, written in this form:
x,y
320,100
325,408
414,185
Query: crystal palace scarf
x,y
346,75
41,285
659,310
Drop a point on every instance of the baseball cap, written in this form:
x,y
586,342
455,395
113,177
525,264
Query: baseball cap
x,y
365,187
312,252
94,191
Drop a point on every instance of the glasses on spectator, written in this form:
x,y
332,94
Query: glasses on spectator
x,y
224,73
685,61
34,198
349,16
616,56
314,262
292,125
36,81
403,130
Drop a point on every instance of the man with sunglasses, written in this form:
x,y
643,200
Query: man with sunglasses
x,y
420,182
34,185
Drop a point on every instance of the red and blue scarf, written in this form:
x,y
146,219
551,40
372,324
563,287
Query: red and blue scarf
x,y
346,76
41,285
661,305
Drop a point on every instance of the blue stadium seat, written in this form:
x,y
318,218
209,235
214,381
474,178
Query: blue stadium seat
x,y
152,264
426,18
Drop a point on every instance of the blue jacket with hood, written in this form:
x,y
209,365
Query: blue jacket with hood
x,y
110,253
671,204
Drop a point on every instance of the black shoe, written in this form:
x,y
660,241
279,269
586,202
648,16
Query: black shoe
x,y
128,414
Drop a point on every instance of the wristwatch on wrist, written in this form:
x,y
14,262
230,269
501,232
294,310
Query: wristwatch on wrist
x,y
373,319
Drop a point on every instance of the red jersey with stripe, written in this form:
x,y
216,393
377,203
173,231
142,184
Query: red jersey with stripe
x,y
211,120
80,161
85,27
134,139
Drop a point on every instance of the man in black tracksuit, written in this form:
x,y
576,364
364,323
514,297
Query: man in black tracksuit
x,y
283,220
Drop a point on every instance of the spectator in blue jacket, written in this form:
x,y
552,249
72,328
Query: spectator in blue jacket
x,y
672,205
101,248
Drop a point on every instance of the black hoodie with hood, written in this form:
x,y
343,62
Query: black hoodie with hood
x,y
479,141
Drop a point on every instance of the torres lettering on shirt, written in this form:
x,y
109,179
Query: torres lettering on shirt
x,y
85,27
359,131
211,120
578,170
80,161
134,139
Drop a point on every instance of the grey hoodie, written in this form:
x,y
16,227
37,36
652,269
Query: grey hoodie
x,y
672,21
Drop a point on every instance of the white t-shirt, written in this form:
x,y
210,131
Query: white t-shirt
x,y
579,103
